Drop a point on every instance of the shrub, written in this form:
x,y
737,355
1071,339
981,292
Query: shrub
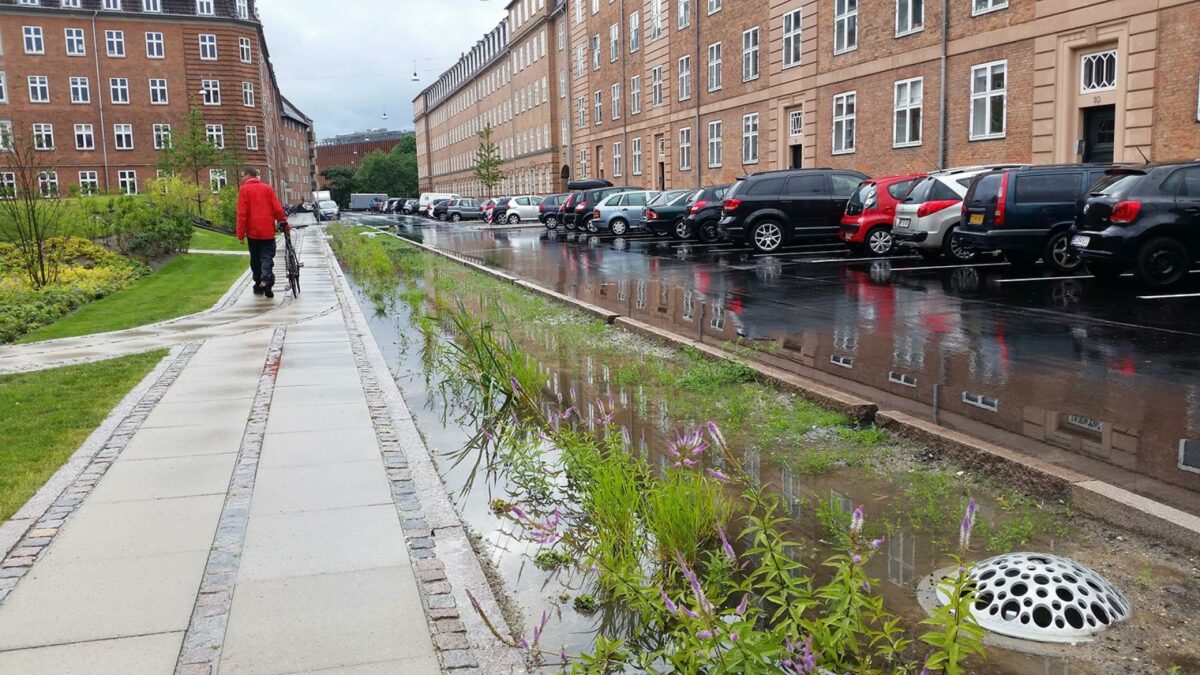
x,y
222,210
145,227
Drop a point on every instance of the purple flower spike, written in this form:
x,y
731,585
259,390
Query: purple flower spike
x,y
516,385
562,654
743,605
968,522
715,432
687,611
856,521
729,552
857,559
625,436
717,474
877,543
704,634
668,603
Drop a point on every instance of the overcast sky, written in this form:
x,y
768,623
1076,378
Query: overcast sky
x,y
342,63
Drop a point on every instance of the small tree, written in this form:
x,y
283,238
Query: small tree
x,y
488,161
31,208
340,182
191,152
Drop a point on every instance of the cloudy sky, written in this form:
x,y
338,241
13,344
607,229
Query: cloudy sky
x,y
344,62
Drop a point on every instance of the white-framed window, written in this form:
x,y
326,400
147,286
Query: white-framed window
x,y
85,137
205,7
635,34
31,3
656,19
35,42
70,4
208,47
984,6
215,133
581,111
635,151
43,136
112,5
210,92
217,179
656,86
907,109
685,13
158,91
81,91
39,89
635,94
8,185
750,54
792,45
618,159
76,44
715,75
244,50
89,182
1098,71
750,138
151,5
845,26
123,135
118,88
243,9
595,6
155,46
989,100
6,136
685,78
3,88
685,149
598,106
114,43
596,52
714,6
614,42
162,136
796,123
716,144
844,111
248,94
910,17
580,59
127,181
616,101
48,183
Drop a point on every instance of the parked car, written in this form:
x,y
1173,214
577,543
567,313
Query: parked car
x,y
548,210
621,212
867,222
1144,219
1027,212
522,207
664,214
410,207
586,205
499,211
704,212
928,217
427,198
393,205
328,210
462,209
773,208
571,210
437,209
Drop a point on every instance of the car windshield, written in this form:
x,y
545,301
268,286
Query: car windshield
x,y
671,198
1115,184
863,197
329,204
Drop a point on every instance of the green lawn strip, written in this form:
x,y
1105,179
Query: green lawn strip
x,y
186,285
46,415
207,240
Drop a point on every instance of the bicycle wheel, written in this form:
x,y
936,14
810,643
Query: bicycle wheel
x,y
293,267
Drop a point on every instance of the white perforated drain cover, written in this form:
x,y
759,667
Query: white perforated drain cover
x,y
1043,597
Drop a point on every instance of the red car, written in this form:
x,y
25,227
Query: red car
x,y
867,223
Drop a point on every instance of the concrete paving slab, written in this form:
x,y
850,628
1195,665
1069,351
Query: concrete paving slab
x,y
286,398
319,542
142,655
318,417
295,360
214,438
164,478
326,621
326,376
192,413
106,531
317,487
318,447
413,666
196,391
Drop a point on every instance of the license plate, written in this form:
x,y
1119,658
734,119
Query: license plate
x,y
976,219
1080,242
902,222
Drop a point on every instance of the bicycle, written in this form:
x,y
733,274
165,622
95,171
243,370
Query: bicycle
x,y
291,260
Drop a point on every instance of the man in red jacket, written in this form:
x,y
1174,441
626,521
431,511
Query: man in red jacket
x,y
258,209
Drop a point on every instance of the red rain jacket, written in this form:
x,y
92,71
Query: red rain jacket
x,y
258,209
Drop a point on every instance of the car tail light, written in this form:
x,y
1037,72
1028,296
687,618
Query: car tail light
x,y
697,206
650,213
596,214
929,208
1124,213
581,208
1002,200
732,204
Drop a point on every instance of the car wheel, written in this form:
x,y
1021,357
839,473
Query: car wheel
x,y
879,241
767,236
1059,255
708,232
681,230
619,226
442,217
455,218
513,219
591,226
953,249
1161,262
569,224
551,223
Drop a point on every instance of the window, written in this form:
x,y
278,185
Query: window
x,y
39,89
635,149
598,106
89,182
6,135
85,137
618,160
714,6
215,134
114,41
580,56
714,67
685,13
123,133
656,86
715,144
119,89
750,55
685,78
581,110
127,180
112,5
34,42
614,42
750,139
843,122
243,9
43,136
1098,72
635,94
210,91
906,125
985,6
3,88
208,47
151,5
796,123
596,52
154,46
76,45
80,90
1047,188
244,49
656,19
685,149
48,183
69,4
845,26
635,34
204,7
217,179
8,185
989,100
616,101
162,136
791,38
248,94
910,16
33,3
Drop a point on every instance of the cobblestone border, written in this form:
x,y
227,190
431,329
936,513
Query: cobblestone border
x,y
201,651
34,542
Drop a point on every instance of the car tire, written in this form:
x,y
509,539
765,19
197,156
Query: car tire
x,y
455,218
708,232
952,250
1058,253
551,223
879,241
442,217
681,230
513,218
590,226
570,225
619,226
1161,263
766,236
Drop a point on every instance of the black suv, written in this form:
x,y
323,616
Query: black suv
x,y
774,208
1027,212
548,210
1146,219
704,212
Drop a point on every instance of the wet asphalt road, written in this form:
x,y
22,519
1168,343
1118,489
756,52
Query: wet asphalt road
x,y
1103,379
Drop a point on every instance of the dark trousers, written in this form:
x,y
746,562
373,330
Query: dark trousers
x,y
262,261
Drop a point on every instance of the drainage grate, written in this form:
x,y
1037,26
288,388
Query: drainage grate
x,y
1043,597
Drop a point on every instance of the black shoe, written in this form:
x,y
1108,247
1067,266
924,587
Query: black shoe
x,y
258,290
268,292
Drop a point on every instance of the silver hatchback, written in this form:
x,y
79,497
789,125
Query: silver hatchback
x,y
929,214
622,212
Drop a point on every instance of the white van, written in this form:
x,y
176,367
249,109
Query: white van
x,y
428,198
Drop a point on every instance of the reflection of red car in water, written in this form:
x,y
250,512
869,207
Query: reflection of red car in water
x,y
867,223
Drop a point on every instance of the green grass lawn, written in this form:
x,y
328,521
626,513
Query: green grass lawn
x,y
186,285
44,416
207,240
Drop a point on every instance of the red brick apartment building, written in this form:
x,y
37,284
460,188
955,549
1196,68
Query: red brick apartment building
x,y
349,149
100,84
680,93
